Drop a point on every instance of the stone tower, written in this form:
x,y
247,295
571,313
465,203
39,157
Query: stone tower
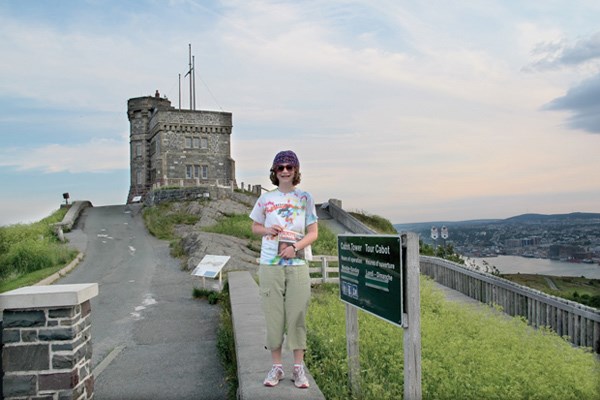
x,y
172,147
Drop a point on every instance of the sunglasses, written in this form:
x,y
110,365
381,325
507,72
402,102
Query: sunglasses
x,y
281,168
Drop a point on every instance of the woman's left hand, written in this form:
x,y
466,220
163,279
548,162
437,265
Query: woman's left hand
x,y
288,252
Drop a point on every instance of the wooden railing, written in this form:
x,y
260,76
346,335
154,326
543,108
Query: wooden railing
x,y
579,323
324,270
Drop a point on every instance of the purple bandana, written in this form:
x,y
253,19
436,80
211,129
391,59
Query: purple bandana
x,y
286,157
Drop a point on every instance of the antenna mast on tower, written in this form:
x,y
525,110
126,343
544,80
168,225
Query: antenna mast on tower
x,y
192,73
194,79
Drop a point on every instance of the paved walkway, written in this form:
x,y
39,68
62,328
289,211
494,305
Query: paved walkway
x,y
151,338
253,359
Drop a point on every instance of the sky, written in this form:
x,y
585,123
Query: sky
x,y
415,111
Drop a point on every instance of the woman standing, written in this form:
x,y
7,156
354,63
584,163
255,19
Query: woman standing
x,y
286,219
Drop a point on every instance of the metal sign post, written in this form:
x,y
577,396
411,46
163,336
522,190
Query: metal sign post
x,y
379,274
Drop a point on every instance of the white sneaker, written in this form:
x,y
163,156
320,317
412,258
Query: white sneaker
x,y
274,376
300,379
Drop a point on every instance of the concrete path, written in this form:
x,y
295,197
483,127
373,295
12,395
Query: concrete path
x,y
151,339
253,360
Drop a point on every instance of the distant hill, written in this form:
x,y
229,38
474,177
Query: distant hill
x,y
523,218
427,225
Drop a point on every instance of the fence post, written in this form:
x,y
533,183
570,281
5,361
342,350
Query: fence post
x,y
324,269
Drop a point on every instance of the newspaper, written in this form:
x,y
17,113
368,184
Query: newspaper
x,y
287,238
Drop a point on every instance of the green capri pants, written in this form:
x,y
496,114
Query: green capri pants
x,y
285,295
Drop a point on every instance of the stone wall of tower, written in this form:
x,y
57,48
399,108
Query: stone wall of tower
x,y
183,148
139,112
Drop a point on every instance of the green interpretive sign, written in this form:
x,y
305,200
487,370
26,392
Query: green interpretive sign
x,y
371,274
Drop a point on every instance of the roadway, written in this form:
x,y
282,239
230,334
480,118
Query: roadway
x,y
150,338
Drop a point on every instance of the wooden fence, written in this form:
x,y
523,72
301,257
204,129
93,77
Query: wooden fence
x,y
577,323
324,270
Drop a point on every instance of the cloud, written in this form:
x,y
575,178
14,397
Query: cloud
x,y
583,101
100,155
560,53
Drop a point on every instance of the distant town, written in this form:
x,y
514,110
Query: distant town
x,y
571,237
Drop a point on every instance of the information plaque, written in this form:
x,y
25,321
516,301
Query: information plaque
x,y
210,267
370,269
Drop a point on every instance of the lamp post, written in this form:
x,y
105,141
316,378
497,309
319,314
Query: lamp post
x,y
66,197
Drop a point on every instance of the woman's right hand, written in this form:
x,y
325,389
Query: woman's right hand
x,y
273,230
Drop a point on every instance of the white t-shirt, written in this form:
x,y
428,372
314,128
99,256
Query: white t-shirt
x,y
294,211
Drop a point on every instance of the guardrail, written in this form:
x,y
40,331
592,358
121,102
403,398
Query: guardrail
x,y
579,323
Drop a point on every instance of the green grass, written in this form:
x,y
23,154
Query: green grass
x,y
28,279
467,353
32,250
326,243
160,220
238,225
210,295
376,222
226,344
582,290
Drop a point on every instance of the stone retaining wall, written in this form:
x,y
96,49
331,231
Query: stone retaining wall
x,y
346,219
70,218
47,350
158,196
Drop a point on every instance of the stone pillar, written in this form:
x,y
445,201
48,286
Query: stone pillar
x,y
47,348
